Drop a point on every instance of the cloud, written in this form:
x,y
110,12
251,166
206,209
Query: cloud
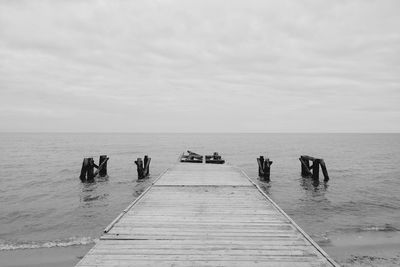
x,y
175,66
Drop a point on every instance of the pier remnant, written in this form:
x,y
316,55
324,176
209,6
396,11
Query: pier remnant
x,y
87,171
215,158
264,168
191,157
313,170
143,167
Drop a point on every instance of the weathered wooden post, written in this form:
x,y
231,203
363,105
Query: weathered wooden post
x,y
87,172
90,170
264,168
306,168
143,167
315,167
140,169
85,165
260,162
102,168
324,170
146,166
103,165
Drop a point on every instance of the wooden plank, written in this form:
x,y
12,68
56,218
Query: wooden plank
x,y
204,215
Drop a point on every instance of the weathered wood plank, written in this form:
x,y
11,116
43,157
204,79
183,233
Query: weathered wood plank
x,y
204,215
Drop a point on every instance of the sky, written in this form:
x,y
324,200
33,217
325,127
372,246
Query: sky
x,y
199,66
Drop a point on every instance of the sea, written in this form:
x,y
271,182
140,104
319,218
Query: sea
x,y
43,203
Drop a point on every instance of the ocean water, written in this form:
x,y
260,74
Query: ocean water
x,y
44,204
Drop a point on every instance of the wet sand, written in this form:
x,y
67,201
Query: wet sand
x,y
365,249
43,257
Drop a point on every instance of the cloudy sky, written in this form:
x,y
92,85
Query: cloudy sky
x,y
200,66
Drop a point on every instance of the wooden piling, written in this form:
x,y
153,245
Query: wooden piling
x,y
146,166
306,168
103,165
143,167
267,169
90,170
324,170
264,168
305,165
315,167
102,168
140,169
260,162
85,165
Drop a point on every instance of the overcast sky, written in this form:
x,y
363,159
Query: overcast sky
x,y
200,66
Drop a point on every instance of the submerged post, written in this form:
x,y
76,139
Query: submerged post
x,y
305,165
324,170
102,168
85,165
143,167
313,171
87,172
264,168
146,165
140,169
103,165
90,170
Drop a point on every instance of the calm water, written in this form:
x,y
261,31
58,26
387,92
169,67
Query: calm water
x,y
44,204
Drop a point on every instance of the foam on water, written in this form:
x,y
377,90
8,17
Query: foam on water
x,y
73,241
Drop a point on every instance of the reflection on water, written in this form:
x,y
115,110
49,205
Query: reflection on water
x,y
265,186
310,184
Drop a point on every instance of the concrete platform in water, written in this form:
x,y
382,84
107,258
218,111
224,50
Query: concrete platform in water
x,y
204,215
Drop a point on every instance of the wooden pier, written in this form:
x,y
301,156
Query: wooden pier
x,y
204,215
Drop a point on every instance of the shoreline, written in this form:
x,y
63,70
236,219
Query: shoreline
x,y
364,249
351,249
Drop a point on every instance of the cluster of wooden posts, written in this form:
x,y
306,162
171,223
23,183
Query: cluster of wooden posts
x,y
307,170
88,173
143,167
264,168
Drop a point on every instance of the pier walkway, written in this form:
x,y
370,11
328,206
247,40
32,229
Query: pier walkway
x,y
204,215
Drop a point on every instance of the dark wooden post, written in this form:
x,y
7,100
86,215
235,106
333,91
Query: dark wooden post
x,y
264,168
260,161
305,165
85,165
306,168
90,170
146,164
315,173
324,170
140,168
267,169
103,165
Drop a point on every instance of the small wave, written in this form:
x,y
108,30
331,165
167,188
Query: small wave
x,y
73,241
385,228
